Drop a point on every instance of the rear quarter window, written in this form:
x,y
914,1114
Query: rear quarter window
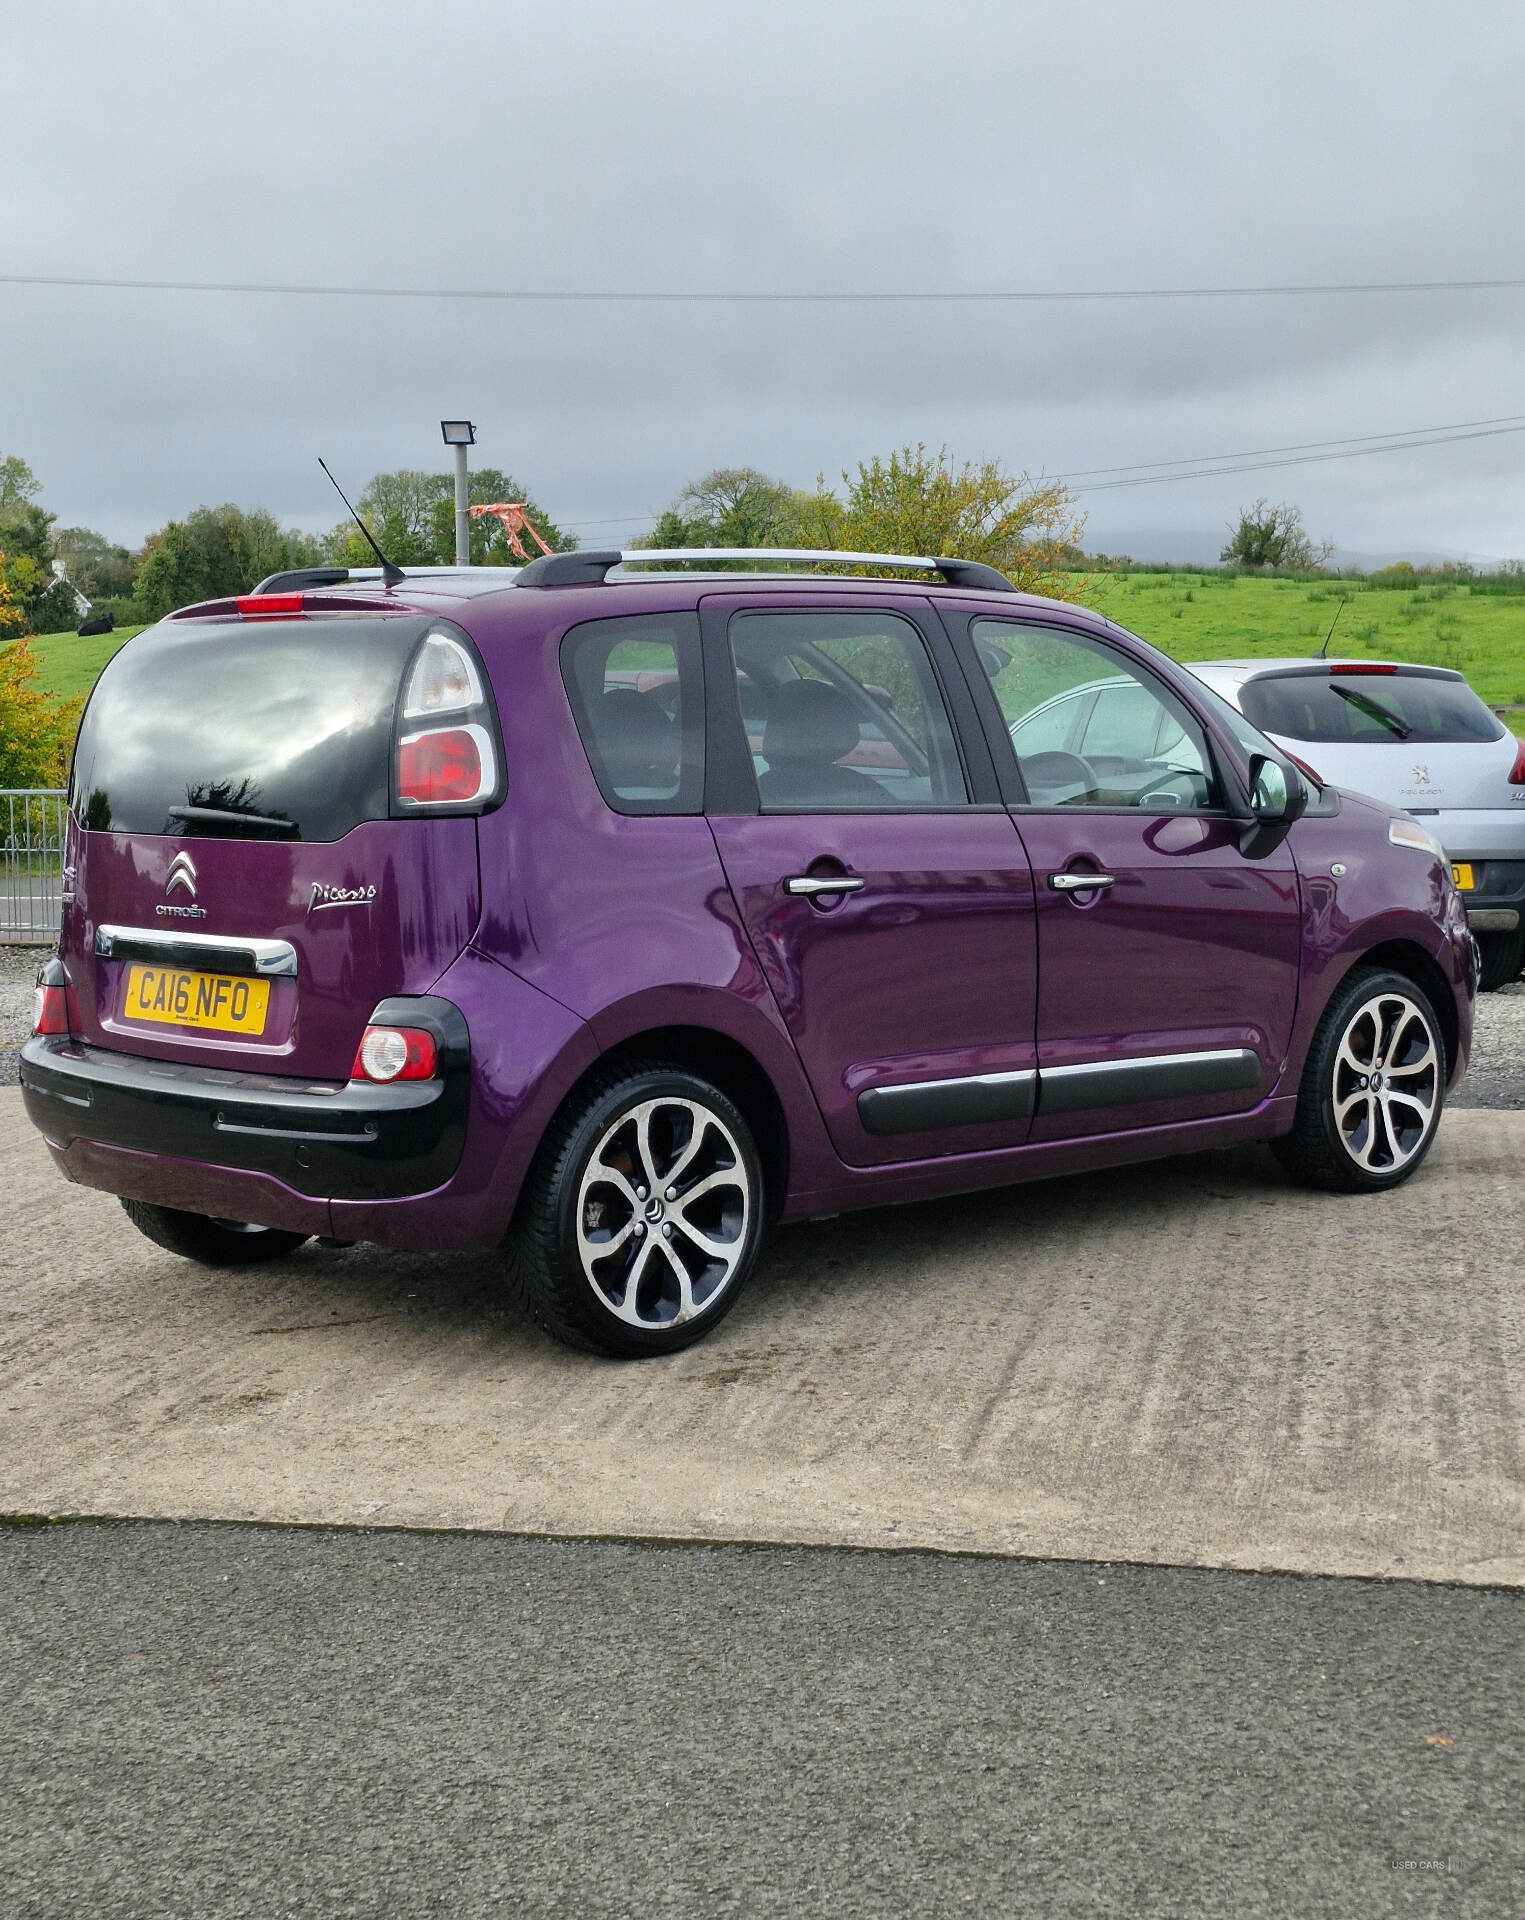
x,y
1368,709
637,695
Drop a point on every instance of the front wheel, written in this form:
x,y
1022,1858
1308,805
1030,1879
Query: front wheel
x,y
642,1215
1372,1088
213,1243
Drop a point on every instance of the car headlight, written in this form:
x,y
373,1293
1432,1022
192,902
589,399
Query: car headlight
x,y
1409,833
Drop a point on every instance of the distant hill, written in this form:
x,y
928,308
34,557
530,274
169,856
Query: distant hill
x,y
1200,547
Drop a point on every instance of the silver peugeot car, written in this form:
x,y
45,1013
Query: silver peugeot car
x,y
1418,738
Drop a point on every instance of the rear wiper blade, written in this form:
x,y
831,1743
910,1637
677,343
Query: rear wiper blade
x,y
1384,715
231,815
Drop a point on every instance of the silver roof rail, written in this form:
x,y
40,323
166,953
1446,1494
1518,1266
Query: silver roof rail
x,y
593,568
298,579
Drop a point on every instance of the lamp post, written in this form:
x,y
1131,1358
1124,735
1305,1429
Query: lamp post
x,y
460,434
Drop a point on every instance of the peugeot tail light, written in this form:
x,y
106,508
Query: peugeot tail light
x,y
1517,771
1303,767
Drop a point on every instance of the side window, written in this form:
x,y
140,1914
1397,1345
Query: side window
x,y
637,696
1138,746
843,710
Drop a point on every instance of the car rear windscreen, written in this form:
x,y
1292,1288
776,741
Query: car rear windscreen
x,y
273,730
1367,708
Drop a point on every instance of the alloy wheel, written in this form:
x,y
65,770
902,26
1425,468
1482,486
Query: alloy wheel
x,y
1387,1083
664,1212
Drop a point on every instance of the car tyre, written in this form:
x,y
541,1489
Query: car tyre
x,y
210,1242
1372,1088
1503,956
642,1215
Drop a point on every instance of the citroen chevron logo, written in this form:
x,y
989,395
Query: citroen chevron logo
x,y
182,873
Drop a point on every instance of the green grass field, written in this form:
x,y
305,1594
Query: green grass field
x,y
67,665
1219,616
1201,616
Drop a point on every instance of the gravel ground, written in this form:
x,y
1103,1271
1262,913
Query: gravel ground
x,y
1496,1079
18,975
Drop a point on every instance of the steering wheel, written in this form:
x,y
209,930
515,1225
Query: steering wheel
x,y
1170,792
1054,768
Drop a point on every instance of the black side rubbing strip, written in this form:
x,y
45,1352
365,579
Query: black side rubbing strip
x,y
1126,1083
928,1104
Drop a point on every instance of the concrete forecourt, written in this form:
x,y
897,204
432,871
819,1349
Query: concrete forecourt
x,y
1191,1363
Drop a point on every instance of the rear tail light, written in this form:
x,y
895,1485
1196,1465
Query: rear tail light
x,y
450,767
1303,767
447,754
1517,771
395,1053
51,1010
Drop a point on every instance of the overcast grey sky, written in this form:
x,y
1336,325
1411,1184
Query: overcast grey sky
x,y
971,145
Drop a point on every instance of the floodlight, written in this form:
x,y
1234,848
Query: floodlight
x,y
458,433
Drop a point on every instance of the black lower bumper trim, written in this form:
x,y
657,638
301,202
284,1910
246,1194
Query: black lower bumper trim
x,y
335,1141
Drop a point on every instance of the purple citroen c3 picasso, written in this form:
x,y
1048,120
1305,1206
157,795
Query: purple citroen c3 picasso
x,y
608,917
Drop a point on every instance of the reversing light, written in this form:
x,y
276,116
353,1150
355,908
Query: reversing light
x,y
449,766
280,606
395,1053
50,1010
1517,771
443,680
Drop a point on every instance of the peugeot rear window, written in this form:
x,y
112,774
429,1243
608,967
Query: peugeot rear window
x,y
1368,708
277,730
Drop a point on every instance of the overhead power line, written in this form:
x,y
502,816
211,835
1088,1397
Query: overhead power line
x,y
1301,459
677,296
1246,460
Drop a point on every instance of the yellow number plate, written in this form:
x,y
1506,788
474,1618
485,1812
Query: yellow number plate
x,y
177,998
1461,873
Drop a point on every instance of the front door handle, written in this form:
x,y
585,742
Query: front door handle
x,y
813,885
1080,882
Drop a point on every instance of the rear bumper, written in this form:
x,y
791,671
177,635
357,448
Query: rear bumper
x,y
1495,902
323,1141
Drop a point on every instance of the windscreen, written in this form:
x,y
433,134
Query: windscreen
x,y
1368,709
273,730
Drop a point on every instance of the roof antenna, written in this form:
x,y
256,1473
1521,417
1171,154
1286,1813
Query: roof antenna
x,y
390,575
1323,652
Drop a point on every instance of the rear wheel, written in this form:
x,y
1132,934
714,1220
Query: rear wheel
x,y
1503,958
1372,1088
642,1215
214,1243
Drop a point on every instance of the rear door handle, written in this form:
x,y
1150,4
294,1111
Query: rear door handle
x,y
1080,882
811,885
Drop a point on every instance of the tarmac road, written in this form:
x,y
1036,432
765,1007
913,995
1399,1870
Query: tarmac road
x,y
229,1721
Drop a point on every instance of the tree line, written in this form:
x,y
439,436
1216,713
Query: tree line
x,y
216,551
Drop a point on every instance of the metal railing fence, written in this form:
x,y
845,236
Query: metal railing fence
x,y
31,864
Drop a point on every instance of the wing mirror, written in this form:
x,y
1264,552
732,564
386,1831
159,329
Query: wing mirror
x,y
1278,797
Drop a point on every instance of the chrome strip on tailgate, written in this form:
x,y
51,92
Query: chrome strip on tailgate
x,y
231,952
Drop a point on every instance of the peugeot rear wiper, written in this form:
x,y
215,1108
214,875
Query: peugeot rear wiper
x,y
1383,715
